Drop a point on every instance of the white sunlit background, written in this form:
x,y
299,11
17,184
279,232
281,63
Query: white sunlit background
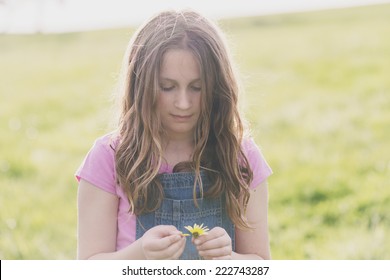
x,y
25,16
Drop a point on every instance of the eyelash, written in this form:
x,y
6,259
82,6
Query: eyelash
x,y
167,88
196,88
172,87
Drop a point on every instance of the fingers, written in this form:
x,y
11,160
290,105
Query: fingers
x,y
163,242
157,244
216,237
164,230
222,253
214,250
167,248
166,242
176,249
217,244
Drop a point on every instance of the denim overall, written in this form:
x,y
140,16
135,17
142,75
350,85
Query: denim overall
x,y
178,209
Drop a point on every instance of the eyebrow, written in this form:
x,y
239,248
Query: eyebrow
x,y
174,81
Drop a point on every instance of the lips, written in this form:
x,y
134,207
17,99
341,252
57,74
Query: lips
x,y
181,117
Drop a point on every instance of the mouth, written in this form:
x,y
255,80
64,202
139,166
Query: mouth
x,y
181,117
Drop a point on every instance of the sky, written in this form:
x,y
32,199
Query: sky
x,y
52,16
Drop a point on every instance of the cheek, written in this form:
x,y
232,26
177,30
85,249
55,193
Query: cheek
x,y
160,102
165,97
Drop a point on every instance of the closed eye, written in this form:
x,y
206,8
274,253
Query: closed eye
x,y
195,88
167,88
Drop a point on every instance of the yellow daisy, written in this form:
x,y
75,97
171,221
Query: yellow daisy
x,y
197,230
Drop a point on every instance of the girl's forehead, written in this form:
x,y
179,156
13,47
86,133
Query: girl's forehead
x,y
179,63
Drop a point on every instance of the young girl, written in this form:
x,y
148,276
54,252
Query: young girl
x,y
178,158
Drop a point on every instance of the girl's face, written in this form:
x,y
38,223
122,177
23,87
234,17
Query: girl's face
x,y
179,93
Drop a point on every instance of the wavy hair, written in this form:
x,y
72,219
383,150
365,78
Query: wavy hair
x,y
219,132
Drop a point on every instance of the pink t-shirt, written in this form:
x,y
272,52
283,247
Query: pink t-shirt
x,y
98,168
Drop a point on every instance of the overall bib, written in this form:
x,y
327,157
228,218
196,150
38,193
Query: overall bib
x,y
178,209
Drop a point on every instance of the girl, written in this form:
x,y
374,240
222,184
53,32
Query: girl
x,y
178,157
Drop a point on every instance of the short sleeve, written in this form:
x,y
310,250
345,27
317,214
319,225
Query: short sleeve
x,y
260,168
98,167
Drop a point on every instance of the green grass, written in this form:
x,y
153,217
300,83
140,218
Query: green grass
x,y
317,96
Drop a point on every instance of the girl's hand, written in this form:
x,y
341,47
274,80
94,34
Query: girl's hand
x,y
215,245
162,242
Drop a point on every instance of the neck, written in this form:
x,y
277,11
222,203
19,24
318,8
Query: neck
x,y
179,141
178,150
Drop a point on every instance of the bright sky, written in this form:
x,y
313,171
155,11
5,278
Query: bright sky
x,y
26,16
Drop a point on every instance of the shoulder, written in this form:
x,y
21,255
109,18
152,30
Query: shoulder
x,y
257,162
251,150
103,149
107,142
248,144
98,167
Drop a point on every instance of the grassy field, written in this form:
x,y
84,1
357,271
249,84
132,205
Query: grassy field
x,y
317,96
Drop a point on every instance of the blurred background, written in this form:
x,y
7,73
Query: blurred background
x,y
317,96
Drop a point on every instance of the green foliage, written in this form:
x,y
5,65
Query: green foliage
x,y
317,97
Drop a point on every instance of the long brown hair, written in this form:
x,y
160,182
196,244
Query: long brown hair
x,y
219,132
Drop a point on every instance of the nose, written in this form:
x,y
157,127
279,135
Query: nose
x,y
183,100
